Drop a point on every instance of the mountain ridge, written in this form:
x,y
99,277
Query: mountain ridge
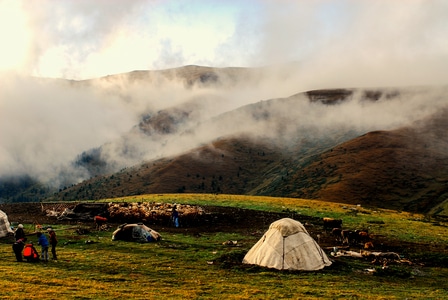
x,y
293,146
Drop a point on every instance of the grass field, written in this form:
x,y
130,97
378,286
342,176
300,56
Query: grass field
x,y
184,266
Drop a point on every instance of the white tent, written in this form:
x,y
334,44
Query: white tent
x,y
5,227
287,245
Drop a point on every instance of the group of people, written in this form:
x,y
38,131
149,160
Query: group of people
x,y
23,249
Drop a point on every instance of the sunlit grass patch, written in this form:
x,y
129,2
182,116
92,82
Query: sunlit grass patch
x,y
178,268
200,266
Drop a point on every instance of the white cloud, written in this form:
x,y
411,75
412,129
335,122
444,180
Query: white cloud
x,y
334,44
369,41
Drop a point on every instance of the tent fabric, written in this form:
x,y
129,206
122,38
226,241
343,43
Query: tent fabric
x,y
287,245
141,235
5,226
135,232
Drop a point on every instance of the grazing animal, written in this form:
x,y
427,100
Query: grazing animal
x,y
337,233
99,221
330,223
346,236
362,236
355,237
368,245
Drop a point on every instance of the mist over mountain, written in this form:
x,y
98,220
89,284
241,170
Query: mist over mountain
x,y
48,122
253,131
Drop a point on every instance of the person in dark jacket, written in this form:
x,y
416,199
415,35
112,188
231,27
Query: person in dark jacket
x,y
19,233
43,242
17,247
53,242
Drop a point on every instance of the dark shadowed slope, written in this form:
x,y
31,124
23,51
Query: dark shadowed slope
x,y
405,169
233,166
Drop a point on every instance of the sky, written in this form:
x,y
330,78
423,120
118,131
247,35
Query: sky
x,y
45,125
81,39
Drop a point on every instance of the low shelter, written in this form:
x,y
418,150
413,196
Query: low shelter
x,y
5,226
287,245
136,233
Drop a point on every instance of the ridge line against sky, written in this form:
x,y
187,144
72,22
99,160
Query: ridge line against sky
x,y
81,39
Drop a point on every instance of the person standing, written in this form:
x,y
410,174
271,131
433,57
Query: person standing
x,y
43,242
53,242
19,244
175,216
19,233
17,247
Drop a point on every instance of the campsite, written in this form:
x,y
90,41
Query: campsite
x,y
204,259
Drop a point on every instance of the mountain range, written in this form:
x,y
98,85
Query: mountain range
x,y
234,131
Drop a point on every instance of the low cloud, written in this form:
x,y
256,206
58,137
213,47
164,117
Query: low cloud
x,y
294,47
46,124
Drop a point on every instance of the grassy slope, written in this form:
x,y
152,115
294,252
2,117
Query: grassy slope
x,y
177,266
441,209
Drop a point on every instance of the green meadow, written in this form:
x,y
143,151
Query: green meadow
x,y
186,266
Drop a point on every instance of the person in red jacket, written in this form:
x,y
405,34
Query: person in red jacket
x,y
53,242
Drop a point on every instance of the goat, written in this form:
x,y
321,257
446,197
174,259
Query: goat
x,y
330,223
337,233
